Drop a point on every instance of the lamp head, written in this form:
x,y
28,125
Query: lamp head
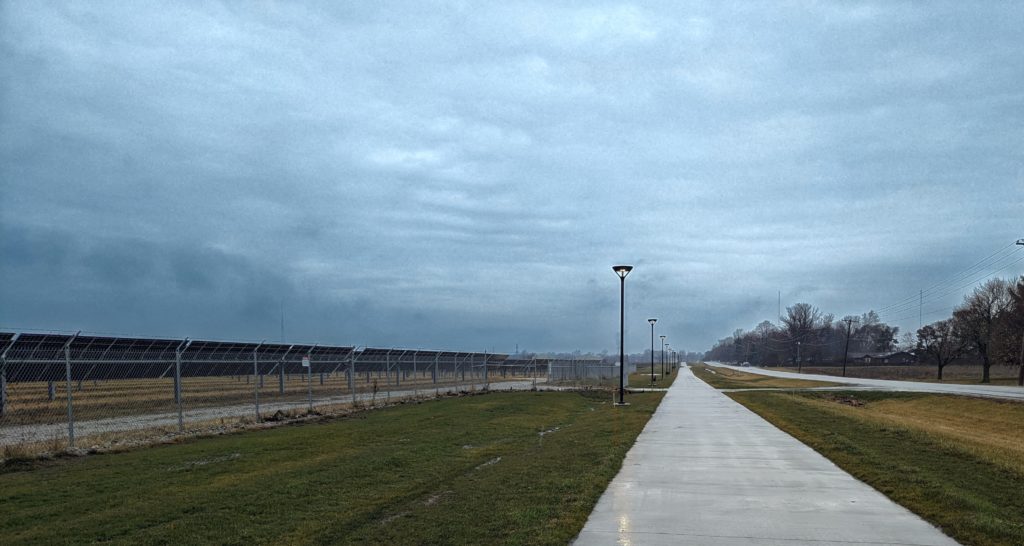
x,y
652,321
662,338
622,270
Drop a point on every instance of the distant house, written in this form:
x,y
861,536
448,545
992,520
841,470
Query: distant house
x,y
900,357
865,358
881,359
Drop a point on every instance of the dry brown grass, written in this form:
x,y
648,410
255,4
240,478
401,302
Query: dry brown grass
x,y
991,429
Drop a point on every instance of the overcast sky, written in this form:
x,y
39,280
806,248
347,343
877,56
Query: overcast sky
x,y
464,175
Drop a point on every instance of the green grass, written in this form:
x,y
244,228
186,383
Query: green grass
x,y
505,468
726,378
958,462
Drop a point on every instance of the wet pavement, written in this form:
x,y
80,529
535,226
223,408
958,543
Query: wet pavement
x,y
706,470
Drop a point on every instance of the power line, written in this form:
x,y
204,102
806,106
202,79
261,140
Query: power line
x,y
902,314
972,270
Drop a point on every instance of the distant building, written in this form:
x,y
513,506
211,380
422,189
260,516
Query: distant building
x,y
882,359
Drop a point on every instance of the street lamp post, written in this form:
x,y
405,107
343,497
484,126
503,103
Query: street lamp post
x,y
622,271
652,321
662,355
668,347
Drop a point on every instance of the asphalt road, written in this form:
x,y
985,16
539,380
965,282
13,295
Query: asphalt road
x,y
986,391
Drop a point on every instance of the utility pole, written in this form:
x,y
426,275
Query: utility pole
x,y
849,329
920,310
1020,376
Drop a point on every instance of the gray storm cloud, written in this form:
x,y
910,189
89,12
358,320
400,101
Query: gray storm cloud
x,y
440,175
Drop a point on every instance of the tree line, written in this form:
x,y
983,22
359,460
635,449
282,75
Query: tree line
x,y
986,328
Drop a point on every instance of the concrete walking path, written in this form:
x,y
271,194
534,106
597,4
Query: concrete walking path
x,y
706,470
985,391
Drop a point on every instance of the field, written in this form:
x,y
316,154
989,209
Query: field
x,y
956,461
501,468
954,373
726,378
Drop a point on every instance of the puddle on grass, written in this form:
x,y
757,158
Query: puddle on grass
x,y
495,460
203,462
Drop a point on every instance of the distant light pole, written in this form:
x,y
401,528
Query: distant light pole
x,y
662,355
652,321
850,321
799,369
622,271
668,347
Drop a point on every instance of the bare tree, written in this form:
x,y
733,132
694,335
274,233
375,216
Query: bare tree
x,y
977,318
800,322
942,341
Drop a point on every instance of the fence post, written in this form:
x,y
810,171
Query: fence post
x,y
280,379
487,381
387,371
177,385
71,400
309,384
436,358
3,374
415,383
352,376
3,384
257,384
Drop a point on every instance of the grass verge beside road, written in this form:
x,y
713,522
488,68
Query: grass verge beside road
x,y
726,378
504,468
956,461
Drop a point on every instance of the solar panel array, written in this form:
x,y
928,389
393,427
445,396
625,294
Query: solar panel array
x,y
48,380
41,357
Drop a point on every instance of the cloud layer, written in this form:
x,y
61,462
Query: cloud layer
x,y
450,175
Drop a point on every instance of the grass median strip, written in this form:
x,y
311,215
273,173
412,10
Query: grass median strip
x,y
726,378
956,461
503,468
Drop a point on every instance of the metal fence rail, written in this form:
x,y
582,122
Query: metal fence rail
x,y
58,389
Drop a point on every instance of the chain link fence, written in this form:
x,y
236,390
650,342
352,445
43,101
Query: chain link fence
x,y
582,372
59,391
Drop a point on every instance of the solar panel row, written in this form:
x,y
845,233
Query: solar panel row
x,y
41,357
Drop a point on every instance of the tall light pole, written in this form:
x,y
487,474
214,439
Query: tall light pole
x,y
662,355
622,271
652,321
668,346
